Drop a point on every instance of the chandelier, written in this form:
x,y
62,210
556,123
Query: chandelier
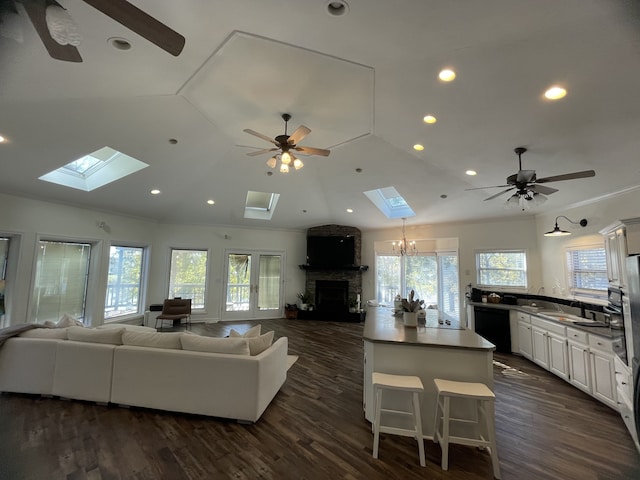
x,y
403,247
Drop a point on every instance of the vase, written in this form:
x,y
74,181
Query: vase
x,y
410,319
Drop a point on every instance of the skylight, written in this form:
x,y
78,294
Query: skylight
x,y
95,170
390,202
260,205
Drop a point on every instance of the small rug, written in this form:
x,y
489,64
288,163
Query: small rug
x,y
508,371
291,359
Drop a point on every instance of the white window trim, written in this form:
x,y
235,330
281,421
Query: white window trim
x,y
503,288
580,293
203,310
144,282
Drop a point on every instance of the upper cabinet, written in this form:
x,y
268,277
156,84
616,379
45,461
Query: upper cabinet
x,y
621,238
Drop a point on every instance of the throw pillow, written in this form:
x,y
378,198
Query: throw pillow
x,y
235,346
54,333
257,345
111,336
68,321
152,339
252,332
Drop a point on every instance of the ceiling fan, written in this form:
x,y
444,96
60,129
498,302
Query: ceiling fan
x,y
285,144
58,32
528,187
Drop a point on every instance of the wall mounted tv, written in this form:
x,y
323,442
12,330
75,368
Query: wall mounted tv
x,y
332,251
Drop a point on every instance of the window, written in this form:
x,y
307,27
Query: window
x,y
124,285
188,275
502,268
433,277
587,270
62,271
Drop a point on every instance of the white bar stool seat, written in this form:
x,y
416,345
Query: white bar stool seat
x,y
484,400
405,383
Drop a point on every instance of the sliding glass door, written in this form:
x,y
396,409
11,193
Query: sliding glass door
x,y
253,285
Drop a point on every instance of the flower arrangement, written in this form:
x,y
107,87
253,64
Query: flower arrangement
x,y
411,305
304,296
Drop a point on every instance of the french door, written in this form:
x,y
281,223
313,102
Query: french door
x,y
253,285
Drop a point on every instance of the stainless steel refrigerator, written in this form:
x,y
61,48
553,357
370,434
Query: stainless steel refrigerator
x,y
633,281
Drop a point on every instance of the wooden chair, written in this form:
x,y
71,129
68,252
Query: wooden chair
x,y
175,309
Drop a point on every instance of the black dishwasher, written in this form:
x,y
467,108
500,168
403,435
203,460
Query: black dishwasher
x,y
493,324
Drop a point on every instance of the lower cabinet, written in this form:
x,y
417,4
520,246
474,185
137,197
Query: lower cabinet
x,y
591,366
549,344
524,337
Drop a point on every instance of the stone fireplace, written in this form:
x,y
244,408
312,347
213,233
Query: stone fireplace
x,y
332,288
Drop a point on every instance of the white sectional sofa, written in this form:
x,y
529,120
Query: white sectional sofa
x,y
99,367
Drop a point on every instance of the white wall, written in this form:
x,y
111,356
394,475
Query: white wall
x,y
517,232
599,214
31,220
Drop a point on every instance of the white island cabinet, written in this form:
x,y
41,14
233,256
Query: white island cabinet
x,y
432,351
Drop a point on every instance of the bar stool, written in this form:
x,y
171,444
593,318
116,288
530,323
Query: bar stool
x,y
484,399
403,383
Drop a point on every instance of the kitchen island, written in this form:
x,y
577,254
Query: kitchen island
x,y
431,350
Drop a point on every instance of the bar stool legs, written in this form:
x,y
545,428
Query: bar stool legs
x,y
484,399
404,383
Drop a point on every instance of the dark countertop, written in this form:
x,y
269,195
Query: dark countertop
x,y
604,332
381,326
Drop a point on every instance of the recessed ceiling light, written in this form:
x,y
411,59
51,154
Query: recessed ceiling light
x,y
173,141
429,119
2,139
211,202
555,93
471,172
444,195
447,75
119,43
358,170
418,147
349,210
337,8
155,191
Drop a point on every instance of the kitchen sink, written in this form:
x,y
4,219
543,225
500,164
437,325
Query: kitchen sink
x,y
530,308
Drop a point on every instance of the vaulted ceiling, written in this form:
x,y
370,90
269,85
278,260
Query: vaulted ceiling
x,y
362,82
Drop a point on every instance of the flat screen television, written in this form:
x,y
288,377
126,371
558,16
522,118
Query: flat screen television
x,y
333,251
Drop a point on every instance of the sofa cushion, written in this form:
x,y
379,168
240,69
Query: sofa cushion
x,y
257,345
252,332
152,339
235,346
111,336
54,333
126,326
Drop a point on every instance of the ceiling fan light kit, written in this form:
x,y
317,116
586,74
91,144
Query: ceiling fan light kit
x,y
284,144
528,188
557,232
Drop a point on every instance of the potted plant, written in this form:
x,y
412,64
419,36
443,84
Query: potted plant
x,y
353,305
410,309
291,311
304,297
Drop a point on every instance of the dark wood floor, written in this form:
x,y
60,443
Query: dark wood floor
x,y
314,429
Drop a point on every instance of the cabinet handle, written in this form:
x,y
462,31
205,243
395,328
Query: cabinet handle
x,y
623,383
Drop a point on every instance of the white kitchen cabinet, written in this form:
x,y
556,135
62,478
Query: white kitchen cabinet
x,y
549,345
525,346
602,371
579,363
621,238
524,338
624,391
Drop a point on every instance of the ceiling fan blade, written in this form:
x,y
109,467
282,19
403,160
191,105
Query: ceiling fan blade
x,y
141,23
313,151
483,188
567,176
525,176
36,9
260,152
498,194
542,189
260,135
298,135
